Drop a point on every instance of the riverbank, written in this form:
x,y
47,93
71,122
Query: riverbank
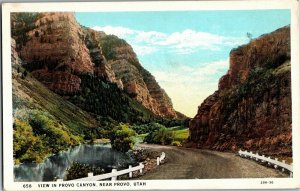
x,y
55,166
148,158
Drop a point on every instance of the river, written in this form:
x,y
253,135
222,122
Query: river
x,y
98,155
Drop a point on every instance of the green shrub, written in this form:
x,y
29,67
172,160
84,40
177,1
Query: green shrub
x,y
55,134
147,128
176,143
37,134
27,146
173,122
161,136
120,137
79,170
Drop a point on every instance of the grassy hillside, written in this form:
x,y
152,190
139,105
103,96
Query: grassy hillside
x,y
180,133
159,134
31,94
44,123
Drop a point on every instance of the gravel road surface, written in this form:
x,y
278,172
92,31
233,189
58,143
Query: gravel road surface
x,y
187,163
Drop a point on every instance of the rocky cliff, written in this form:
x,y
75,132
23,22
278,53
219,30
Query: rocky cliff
x,y
57,51
29,95
136,80
252,107
37,111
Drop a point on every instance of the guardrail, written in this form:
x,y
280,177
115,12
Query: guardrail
x,y
112,175
262,158
115,173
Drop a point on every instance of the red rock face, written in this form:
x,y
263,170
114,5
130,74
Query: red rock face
x,y
160,99
58,37
101,67
139,82
60,82
250,112
266,50
58,50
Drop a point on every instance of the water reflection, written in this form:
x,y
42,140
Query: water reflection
x,y
98,155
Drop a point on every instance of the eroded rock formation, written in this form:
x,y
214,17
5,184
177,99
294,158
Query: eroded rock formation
x,y
136,80
252,107
57,50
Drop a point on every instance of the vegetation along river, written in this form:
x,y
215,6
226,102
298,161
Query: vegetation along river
x,y
53,167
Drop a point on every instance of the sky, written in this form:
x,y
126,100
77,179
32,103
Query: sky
x,y
186,51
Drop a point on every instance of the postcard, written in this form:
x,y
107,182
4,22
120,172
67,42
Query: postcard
x,y
151,95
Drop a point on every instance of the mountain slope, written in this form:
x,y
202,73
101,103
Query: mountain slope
x,y
35,95
28,93
252,107
44,123
136,80
59,52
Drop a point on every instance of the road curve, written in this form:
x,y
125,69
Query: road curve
x,y
187,163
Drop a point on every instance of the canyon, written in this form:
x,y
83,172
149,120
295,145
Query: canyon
x,y
102,75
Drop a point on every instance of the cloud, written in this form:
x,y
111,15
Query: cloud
x,y
189,86
191,38
213,68
143,50
203,72
189,41
185,42
151,37
118,31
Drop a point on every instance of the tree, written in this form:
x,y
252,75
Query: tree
x,y
120,137
249,36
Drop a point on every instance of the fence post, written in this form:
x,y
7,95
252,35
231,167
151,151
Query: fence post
x,y
275,166
269,159
257,156
283,161
263,156
113,177
157,161
130,173
90,174
141,170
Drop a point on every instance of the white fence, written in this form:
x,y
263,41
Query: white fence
x,y
262,158
114,173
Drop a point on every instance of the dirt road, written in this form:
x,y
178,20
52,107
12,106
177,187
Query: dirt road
x,y
185,163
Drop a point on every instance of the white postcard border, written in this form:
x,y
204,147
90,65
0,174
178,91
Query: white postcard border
x,y
294,182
